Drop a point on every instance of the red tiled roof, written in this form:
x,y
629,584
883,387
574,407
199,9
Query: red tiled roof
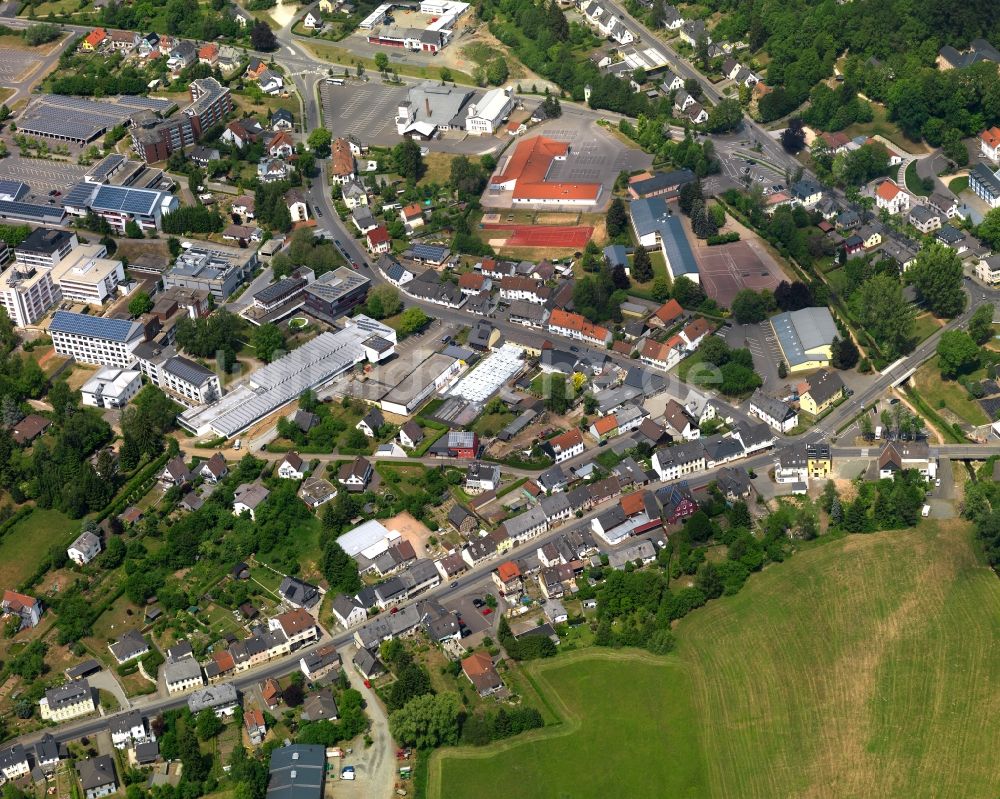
x,y
887,190
991,137
633,503
669,311
655,351
17,601
224,661
699,327
471,280
573,321
412,211
508,571
210,50
342,160
530,164
567,440
378,235
605,424
96,36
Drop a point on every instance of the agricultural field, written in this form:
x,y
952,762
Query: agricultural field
x,y
864,666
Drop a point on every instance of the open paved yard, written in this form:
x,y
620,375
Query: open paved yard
x,y
367,111
16,63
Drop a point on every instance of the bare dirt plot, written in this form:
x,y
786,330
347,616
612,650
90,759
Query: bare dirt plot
x,y
727,269
408,526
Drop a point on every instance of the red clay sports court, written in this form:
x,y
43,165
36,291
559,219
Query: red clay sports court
x,y
575,236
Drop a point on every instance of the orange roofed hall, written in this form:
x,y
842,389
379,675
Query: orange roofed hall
x,y
527,169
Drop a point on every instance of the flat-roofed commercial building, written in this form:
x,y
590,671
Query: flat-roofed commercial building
x,y
313,365
27,293
93,339
87,276
333,294
45,247
118,206
213,268
183,380
111,387
434,374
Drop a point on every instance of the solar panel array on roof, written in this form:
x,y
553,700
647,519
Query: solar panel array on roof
x,y
31,212
93,326
132,201
186,370
429,252
13,190
79,195
81,119
105,167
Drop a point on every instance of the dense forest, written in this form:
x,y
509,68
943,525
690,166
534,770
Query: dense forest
x,y
892,46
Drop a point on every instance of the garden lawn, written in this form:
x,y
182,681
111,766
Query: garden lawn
x,y
939,394
913,182
27,543
960,184
863,666
926,325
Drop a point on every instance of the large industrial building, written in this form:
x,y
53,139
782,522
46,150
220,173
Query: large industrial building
x,y
313,365
79,120
525,174
805,337
655,227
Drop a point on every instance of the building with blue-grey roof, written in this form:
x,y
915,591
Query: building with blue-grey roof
x,y
94,339
805,337
119,206
655,226
616,255
297,772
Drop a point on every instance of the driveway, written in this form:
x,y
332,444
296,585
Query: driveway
x,y
107,681
376,764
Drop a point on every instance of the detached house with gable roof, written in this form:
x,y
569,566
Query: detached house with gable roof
x,y
892,198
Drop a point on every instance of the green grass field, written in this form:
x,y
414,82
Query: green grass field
x,y
940,393
865,666
27,543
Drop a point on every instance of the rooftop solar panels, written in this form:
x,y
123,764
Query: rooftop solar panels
x,y
79,195
30,212
79,119
13,189
105,167
94,326
130,201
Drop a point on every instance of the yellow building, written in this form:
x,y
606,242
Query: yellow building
x,y
820,391
819,460
805,338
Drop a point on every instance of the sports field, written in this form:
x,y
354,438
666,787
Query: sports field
x,y
867,666
570,236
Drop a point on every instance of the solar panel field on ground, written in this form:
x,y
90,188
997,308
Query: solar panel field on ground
x,y
81,119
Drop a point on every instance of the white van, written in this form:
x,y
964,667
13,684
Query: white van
x,y
238,443
925,511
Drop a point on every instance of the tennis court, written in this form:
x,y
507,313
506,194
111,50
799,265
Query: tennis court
x,y
729,268
566,236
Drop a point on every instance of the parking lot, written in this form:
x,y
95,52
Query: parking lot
x,y
763,345
16,64
42,175
367,111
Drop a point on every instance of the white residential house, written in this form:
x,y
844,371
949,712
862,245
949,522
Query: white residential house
x,y
312,20
297,207
86,547
892,198
183,675
27,608
13,763
248,498
776,413
67,701
989,143
129,729
292,467
348,611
